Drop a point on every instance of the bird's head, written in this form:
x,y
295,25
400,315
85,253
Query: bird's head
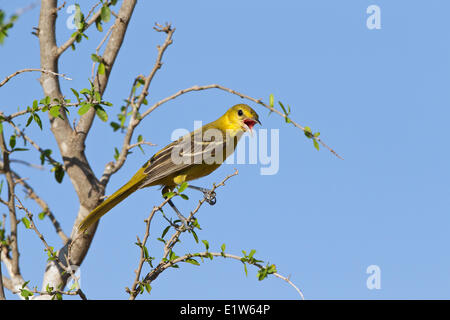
x,y
242,116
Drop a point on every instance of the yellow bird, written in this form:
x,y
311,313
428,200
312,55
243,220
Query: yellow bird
x,y
191,157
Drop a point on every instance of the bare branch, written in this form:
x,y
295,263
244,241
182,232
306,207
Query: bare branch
x,y
135,118
30,70
45,208
241,95
97,50
140,143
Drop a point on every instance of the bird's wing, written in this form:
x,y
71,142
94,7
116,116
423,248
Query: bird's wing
x,y
186,152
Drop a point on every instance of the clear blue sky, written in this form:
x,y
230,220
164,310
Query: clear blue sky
x,y
379,97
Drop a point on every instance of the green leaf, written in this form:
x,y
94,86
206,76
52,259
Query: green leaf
x,y
316,144
105,13
12,141
282,107
262,274
169,194
172,256
44,154
308,132
101,113
46,100
79,17
115,126
194,235
30,119
84,108
97,96
26,222
145,252
165,231
96,58
101,69
59,173
116,154
271,100
85,91
183,187
271,269
37,119
75,92
206,243
98,24
183,196
42,215
35,105
54,111
26,294
192,261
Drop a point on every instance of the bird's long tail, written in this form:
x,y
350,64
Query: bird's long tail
x,y
109,203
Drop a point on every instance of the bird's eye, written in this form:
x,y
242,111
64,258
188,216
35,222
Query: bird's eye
x,y
240,113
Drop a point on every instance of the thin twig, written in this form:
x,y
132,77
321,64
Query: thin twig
x,y
20,133
206,254
30,70
97,50
134,145
50,249
135,118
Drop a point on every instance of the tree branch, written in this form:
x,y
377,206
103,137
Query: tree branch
x,y
112,168
169,245
2,291
30,70
70,143
241,95
30,193
207,254
71,40
67,268
109,56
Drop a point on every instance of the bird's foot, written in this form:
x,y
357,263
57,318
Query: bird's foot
x,y
208,194
210,197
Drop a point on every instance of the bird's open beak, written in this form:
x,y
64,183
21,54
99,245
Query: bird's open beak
x,y
249,123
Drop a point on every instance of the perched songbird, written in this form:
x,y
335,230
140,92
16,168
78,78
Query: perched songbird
x,y
193,156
